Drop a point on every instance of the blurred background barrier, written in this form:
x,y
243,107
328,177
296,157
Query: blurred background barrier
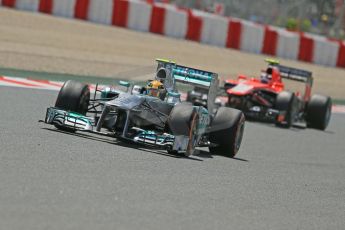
x,y
197,25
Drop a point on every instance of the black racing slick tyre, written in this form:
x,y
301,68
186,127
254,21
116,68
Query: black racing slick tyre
x,y
180,118
285,103
183,120
226,131
318,112
74,97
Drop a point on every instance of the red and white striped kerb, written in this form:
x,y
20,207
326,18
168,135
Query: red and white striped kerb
x,y
168,20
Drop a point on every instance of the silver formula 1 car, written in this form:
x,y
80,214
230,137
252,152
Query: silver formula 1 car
x,y
162,122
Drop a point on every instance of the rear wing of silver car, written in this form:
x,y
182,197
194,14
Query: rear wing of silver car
x,y
196,77
173,73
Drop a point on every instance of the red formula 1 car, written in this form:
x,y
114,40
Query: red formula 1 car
x,y
266,99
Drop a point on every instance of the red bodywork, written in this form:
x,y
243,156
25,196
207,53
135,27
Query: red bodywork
x,y
251,84
245,85
265,97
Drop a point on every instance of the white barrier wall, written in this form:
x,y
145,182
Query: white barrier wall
x,y
139,15
288,44
214,29
30,5
101,11
325,52
252,37
175,24
63,8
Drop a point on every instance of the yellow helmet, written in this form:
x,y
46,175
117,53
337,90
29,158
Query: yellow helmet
x,y
154,88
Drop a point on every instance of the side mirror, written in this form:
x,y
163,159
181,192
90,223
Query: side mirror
x,y
124,83
173,97
242,77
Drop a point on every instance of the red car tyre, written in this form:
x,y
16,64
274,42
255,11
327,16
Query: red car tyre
x,y
318,112
285,103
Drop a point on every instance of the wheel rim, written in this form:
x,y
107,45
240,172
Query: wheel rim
x,y
192,135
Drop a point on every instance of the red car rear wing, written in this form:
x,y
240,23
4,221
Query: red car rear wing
x,y
295,74
298,75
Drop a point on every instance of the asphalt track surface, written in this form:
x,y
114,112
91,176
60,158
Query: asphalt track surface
x,y
282,179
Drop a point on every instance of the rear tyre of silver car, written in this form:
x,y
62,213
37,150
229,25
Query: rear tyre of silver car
x,y
73,97
227,130
183,120
285,103
318,112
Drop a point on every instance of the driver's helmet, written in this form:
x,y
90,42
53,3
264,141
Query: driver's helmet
x,y
156,89
266,76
